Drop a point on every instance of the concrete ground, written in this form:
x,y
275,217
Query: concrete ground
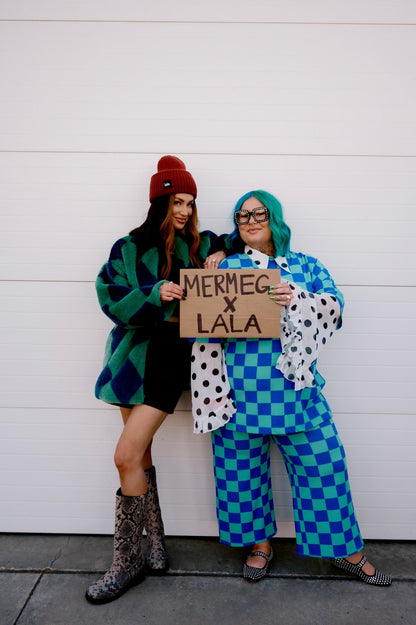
x,y
43,580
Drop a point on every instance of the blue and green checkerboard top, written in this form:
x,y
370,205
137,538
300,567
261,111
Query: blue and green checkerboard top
x,y
267,402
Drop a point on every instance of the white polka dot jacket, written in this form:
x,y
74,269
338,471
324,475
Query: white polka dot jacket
x,y
270,385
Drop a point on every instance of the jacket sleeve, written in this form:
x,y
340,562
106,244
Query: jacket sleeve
x,y
322,282
220,243
128,292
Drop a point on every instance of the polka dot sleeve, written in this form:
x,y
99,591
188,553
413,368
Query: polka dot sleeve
x,y
306,326
211,403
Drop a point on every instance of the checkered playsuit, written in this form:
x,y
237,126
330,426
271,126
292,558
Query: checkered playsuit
x,y
300,423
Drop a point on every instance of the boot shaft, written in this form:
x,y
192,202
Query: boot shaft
x,y
128,532
156,556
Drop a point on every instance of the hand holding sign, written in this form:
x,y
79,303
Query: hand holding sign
x,y
282,293
170,291
227,303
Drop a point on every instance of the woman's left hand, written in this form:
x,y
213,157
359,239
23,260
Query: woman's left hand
x,y
281,293
213,260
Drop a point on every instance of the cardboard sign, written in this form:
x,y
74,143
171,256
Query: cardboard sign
x,y
229,303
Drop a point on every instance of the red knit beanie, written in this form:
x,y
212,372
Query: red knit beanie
x,y
171,177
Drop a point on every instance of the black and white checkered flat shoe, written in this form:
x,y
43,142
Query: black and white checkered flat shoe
x,y
253,574
378,579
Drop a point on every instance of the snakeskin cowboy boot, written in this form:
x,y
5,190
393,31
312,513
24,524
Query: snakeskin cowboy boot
x,y
128,567
156,556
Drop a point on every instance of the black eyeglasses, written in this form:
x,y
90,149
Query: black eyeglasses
x,y
260,214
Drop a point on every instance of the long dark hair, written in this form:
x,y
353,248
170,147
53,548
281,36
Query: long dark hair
x,y
157,231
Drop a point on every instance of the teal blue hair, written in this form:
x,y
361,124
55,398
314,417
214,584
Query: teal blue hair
x,y
280,229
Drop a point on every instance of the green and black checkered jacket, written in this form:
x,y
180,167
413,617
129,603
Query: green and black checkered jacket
x,y
128,292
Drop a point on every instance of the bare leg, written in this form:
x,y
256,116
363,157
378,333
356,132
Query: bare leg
x,y
133,447
128,566
156,556
147,461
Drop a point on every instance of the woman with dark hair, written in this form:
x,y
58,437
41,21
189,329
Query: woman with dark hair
x,y
146,363
277,394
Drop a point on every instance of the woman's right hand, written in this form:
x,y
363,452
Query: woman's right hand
x,y
170,291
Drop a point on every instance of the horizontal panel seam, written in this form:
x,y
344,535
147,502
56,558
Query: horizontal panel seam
x,y
213,22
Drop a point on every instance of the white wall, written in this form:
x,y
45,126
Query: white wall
x,y
313,101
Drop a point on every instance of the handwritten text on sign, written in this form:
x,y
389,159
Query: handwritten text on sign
x,y
227,303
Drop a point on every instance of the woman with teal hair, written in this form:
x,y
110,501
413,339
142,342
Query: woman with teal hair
x,y
264,390
280,230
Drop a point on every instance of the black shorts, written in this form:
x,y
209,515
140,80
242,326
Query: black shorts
x,y
168,367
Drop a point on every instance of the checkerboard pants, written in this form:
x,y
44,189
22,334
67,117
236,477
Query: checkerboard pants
x,y
324,515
